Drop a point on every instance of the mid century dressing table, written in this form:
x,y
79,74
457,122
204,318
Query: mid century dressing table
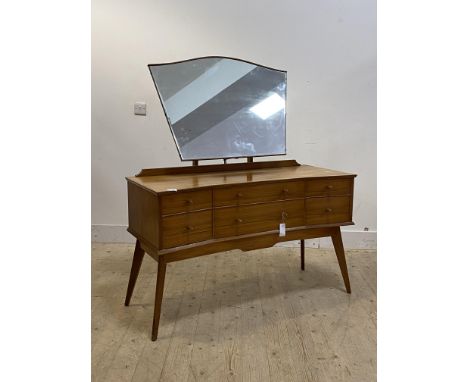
x,y
184,212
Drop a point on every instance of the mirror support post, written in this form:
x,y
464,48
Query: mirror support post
x,y
249,159
195,163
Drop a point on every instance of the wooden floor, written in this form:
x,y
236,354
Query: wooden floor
x,y
236,316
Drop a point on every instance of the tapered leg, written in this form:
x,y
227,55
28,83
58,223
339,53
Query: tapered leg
x,y
340,254
136,264
158,297
302,255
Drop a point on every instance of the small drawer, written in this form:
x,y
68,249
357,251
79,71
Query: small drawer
x,y
329,187
187,201
234,221
236,196
336,209
186,228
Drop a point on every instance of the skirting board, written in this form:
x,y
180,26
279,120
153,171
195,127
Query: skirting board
x,y
104,233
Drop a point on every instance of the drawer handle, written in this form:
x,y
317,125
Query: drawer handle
x,y
328,210
189,228
285,191
189,201
330,187
238,220
239,195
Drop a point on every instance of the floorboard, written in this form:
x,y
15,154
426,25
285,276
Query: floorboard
x,y
236,316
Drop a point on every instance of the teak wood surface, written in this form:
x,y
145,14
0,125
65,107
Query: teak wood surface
x,y
184,212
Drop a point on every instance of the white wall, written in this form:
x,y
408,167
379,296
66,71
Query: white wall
x,y
328,48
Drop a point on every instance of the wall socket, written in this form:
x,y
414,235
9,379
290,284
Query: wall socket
x,y
139,108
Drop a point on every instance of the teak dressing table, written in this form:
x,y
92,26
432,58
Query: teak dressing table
x,y
184,212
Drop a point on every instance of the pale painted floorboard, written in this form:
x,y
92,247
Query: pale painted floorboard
x,y
236,316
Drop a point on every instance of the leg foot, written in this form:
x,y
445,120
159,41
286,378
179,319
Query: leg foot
x,y
302,255
340,254
158,297
136,264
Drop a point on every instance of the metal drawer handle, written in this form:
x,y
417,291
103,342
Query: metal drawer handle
x,y
329,186
329,210
239,220
189,201
285,191
239,195
189,228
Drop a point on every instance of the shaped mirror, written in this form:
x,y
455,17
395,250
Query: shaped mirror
x,y
219,107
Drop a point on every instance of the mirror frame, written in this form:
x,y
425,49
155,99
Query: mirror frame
x,y
231,58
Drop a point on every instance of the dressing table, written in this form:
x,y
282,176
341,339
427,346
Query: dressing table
x,y
180,213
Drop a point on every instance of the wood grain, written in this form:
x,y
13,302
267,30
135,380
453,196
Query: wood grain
x,y
244,242
136,264
184,202
143,214
158,298
329,187
182,213
328,210
340,255
164,220
187,228
225,177
241,195
216,167
235,221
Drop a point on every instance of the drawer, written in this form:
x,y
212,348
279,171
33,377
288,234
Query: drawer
x,y
234,196
336,209
187,201
233,221
329,187
184,229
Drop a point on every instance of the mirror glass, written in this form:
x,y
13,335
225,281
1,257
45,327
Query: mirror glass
x,y
220,107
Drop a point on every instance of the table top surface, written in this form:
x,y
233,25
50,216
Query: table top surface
x,y
179,182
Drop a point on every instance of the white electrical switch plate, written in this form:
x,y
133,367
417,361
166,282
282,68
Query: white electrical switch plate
x,y
139,108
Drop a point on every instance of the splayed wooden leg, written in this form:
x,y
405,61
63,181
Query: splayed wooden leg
x,y
136,265
158,296
340,254
302,255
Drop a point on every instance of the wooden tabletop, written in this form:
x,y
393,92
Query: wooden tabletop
x,y
170,183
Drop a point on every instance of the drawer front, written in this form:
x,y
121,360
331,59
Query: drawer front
x,y
186,228
233,221
336,209
236,196
329,187
180,202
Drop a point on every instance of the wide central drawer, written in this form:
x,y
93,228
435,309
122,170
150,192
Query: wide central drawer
x,y
187,201
186,228
249,194
233,221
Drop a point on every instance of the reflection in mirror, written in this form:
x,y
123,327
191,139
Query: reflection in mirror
x,y
221,107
